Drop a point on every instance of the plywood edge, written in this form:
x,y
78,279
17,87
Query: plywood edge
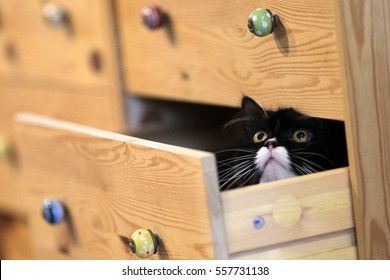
x,y
215,208
42,121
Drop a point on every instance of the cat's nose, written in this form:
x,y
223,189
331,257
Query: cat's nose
x,y
271,142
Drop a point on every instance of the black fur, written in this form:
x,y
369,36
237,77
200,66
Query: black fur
x,y
325,150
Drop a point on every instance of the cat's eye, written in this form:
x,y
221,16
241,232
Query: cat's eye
x,y
260,136
301,136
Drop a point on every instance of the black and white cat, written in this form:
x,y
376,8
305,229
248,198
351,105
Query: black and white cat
x,y
279,144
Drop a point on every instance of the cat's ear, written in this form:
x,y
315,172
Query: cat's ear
x,y
249,107
250,112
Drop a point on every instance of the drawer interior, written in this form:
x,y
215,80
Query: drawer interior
x,y
201,127
306,217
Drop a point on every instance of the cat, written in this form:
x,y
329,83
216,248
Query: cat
x,y
279,144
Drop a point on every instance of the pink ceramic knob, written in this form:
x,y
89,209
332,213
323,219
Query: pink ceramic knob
x,y
152,17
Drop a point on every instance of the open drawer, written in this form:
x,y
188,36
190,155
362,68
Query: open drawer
x,y
112,184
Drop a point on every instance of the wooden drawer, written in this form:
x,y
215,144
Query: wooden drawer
x,y
113,184
94,108
77,52
207,54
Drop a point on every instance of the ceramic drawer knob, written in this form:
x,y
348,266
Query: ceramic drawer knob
x,y
53,211
5,149
261,22
54,15
143,243
152,17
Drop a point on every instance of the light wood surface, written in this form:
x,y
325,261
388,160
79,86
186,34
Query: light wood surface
x,y
113,184
14,239
333,246
60,53
95,108
207,54
292,209
58,59
365,35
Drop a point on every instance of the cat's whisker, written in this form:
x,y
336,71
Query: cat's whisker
x,y
304,166
250,179
303,169
314,154
310,162
235,159
233,172
298,168
251,150
298,149
235,167
310,168
237,177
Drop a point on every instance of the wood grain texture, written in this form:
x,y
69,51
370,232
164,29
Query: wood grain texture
x,y
29,46
113,184
314,205
14,239
93,107
333,246
207,55
365,36
60,59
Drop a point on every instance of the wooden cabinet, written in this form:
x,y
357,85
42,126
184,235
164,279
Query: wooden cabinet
x,y
205,53
113,184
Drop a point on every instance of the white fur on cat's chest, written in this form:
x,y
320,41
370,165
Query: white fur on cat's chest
x,y
274,164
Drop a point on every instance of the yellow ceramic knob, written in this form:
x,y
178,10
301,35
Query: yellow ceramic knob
x,y
143,243
4,147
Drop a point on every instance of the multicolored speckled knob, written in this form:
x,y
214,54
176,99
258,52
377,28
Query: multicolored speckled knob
x,y
152,17
53,211
261,22
143,243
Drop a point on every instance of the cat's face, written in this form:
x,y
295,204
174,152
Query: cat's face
x,y
278,145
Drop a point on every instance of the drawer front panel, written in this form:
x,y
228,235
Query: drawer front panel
x,y
97,109
207,54
112,185
289,210
76,51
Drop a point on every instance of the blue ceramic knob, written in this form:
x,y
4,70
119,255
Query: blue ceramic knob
x,y
53,211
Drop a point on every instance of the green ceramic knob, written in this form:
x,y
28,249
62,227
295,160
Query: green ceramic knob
x,y
261,22
143,243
